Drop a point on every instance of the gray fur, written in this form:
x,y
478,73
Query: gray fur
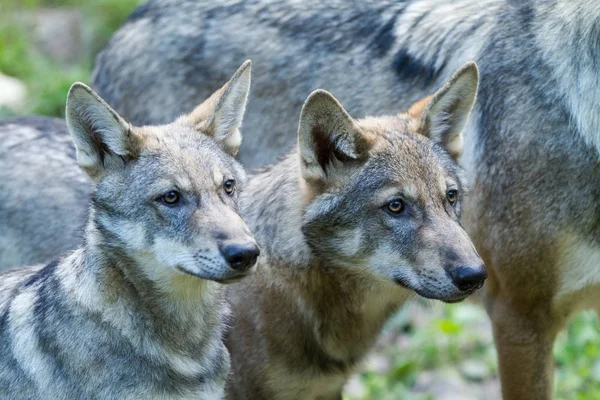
x,y
40,181
348,48
136,311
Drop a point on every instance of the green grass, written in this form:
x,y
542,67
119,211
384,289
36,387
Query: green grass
x,y
48,81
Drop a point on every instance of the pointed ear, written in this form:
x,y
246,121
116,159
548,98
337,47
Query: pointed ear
x,y
220,116
328,138
444,115
102,138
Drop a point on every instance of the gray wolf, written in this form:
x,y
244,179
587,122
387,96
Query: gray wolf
x,y
531,149
360,217
138,310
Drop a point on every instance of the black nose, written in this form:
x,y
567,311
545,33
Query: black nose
x,y
241,256
468,278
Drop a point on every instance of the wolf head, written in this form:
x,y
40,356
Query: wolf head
x,y
385,194
167,195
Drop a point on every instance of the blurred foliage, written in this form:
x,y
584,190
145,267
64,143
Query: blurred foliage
x,y
461,333
452,334
577,359
48,81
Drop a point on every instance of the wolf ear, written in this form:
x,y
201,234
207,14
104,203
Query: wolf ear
x,y
220,116
444,115
328,138
102,138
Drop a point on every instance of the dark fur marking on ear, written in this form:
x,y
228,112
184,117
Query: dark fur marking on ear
x,y
96,138
325,149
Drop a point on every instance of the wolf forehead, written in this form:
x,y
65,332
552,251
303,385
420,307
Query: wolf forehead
x,y
181,150
401,154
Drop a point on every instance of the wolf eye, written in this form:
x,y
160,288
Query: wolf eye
x,y
229,186
170,198
452,196
395,206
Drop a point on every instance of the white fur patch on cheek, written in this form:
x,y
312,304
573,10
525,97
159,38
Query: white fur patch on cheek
x,y
131,233
388,264
168,251
348,242
159,262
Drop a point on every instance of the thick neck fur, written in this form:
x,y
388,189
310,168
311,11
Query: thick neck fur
x,y
321,300
109,281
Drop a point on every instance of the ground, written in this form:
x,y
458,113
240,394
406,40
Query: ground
x,y
428,350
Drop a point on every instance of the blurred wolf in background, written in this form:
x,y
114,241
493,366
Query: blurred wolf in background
x,y
531,149
138,311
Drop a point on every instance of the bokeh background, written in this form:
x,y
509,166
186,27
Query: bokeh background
x,y
428,350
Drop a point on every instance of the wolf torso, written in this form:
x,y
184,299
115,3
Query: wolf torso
x,y
72,330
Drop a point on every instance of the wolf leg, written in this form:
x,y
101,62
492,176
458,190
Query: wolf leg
x,y
524,334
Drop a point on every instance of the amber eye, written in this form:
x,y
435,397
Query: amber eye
x,y
395,206
452,196
171,198
229,186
